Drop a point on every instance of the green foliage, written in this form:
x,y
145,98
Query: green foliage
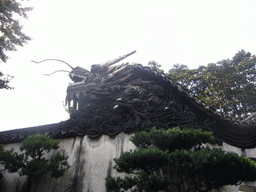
x,y
171,139
12,161
10,30
32,162
11,34
155,67
36,145
213,165
228,86
35,168
58,165
175,160
143,182
4,80
142,159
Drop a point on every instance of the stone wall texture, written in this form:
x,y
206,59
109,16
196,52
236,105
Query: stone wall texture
x,y
91,162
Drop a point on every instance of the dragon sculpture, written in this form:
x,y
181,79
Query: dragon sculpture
x,y
110,99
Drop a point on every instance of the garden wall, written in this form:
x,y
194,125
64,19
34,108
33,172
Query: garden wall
x,y
91,162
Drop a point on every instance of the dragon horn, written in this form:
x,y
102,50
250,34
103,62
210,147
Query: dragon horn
x,y
54,60
109,63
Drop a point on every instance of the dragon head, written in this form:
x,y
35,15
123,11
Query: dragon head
x,y
83,80
78,74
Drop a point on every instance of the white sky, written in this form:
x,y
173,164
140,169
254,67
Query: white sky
x,y
83,32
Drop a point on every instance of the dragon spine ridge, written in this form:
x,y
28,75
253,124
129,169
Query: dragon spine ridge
x,y
125,98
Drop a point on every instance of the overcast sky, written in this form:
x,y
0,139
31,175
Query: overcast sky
x,y
83,33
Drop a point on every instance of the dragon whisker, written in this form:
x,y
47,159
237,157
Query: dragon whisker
x,y
53,60
56,72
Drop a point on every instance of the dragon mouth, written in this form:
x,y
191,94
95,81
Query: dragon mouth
x,y
73,84
76,78
74,90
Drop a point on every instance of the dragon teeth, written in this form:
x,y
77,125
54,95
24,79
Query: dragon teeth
x,y
77,83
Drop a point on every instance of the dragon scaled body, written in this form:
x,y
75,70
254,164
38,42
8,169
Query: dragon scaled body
x,y
126,98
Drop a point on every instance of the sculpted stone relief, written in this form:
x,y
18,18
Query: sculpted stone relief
x,y
110,99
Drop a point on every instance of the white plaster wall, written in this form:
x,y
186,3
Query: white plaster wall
x,y
247,153
91,162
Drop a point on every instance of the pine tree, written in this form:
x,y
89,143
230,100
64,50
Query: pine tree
x,y
176,160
